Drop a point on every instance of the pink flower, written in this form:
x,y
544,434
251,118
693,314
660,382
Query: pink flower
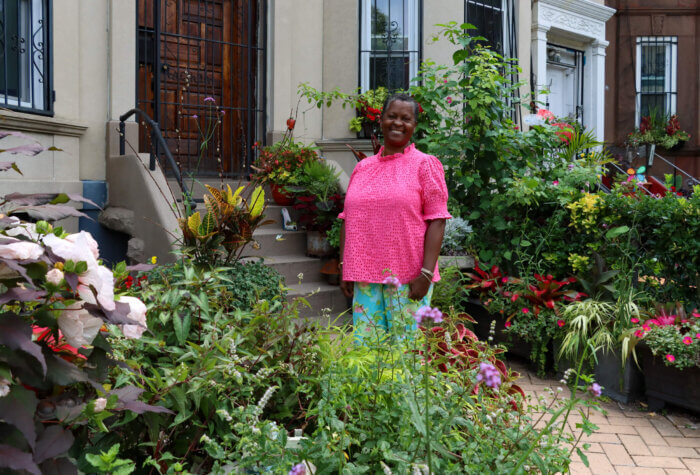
x,y
449,100
595,390
526,311
489,374
646,327
687,340
195,116
504,280
561,323
392,281
670,358
697,335
696,314
508,324
427,312
634,320
639,333
445,80
555,182
514,297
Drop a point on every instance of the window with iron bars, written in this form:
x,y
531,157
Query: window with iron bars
x,y
390,43
655,76
495,21
25,50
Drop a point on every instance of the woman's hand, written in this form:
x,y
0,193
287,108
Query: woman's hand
x,y
347,287
418,288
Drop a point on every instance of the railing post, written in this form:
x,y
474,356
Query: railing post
x,y
154,150
122,137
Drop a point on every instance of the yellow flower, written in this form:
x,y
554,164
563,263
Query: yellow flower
x,y
154,259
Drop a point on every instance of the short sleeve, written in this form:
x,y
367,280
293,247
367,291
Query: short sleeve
x,y
352,175
433,189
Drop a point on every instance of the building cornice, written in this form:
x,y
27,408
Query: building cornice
x,y
585,8
39,124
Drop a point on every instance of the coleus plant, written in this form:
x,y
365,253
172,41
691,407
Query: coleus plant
x,y
57,299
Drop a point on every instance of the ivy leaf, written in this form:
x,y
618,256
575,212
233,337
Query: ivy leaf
x,y
17,335
53,442
15,459
18,408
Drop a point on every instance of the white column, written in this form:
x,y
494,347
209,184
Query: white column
x,y
539,56
594,105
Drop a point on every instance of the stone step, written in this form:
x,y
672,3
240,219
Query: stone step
x,y
320,296
274,212
290,266
276,241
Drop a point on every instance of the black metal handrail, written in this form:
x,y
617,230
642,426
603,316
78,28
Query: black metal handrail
x,y
689,179
156,140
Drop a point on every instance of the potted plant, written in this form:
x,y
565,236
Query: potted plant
x,y
657,130
670,356
281,165
368,107
454,252
318,199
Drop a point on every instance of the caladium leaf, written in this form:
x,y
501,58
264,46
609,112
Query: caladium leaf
x,y
50,212
257,202
16,334
54,441
15,459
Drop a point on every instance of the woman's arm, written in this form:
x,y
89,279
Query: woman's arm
x,y
345,286
432,245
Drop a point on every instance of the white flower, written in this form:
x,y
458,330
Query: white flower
x,y
4,387
85,238
80,247
100,404
137,313
54,276
21,250
78,326
24,229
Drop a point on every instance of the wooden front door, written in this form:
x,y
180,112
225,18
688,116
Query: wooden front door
x,y
200,76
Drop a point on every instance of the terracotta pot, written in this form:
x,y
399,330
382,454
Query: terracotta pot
x,y
281,197
317,244
332,272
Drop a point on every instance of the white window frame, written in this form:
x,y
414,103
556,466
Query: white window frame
x,y
31,79
671,72
412,20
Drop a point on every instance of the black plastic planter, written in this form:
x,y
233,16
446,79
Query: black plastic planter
x,y
666,384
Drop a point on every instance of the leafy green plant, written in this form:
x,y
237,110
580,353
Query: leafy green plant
x,y
107,462
456,230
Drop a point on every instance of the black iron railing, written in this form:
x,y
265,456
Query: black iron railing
x,y
157,143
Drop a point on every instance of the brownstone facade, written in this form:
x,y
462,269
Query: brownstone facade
x,y
654,18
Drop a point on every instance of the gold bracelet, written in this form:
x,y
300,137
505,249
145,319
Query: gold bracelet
x,y
429,279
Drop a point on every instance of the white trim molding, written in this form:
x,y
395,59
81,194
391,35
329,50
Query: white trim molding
x,y
581,22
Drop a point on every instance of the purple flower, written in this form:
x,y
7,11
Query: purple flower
x,y
571,166
427,312
195,116
298,469
595,390
392,281
489,374
209,99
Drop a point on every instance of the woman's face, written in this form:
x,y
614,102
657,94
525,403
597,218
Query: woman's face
x,y
398,124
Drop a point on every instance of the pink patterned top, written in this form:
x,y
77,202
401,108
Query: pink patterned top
x,y
388,202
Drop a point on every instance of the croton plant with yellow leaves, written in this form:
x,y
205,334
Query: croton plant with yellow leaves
x,y
217,236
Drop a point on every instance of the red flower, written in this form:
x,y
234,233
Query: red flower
x,y
639,333
671,358
561,323
291,123
508,324
526,310
687,340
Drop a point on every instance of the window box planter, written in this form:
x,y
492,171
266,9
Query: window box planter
x,y
666,384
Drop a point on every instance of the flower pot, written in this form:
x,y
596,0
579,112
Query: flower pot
x,y
280,196
317,244
666,384
331,271
483,319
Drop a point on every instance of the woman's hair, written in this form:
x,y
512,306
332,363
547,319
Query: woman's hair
x,y
402,96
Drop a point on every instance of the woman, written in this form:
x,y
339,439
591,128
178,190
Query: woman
x,y
394,221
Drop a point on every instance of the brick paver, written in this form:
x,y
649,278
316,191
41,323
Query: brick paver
x,y
630,440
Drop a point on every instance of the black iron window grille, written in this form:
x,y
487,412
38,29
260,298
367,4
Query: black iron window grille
x,y
25,56
390,43
195,56
495,21
655,78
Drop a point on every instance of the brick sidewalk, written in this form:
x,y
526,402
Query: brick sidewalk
x,y
629,440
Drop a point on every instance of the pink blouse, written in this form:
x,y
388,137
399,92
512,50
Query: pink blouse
x,y
388,202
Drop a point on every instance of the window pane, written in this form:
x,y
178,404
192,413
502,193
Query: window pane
x,y
487,17
653,67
